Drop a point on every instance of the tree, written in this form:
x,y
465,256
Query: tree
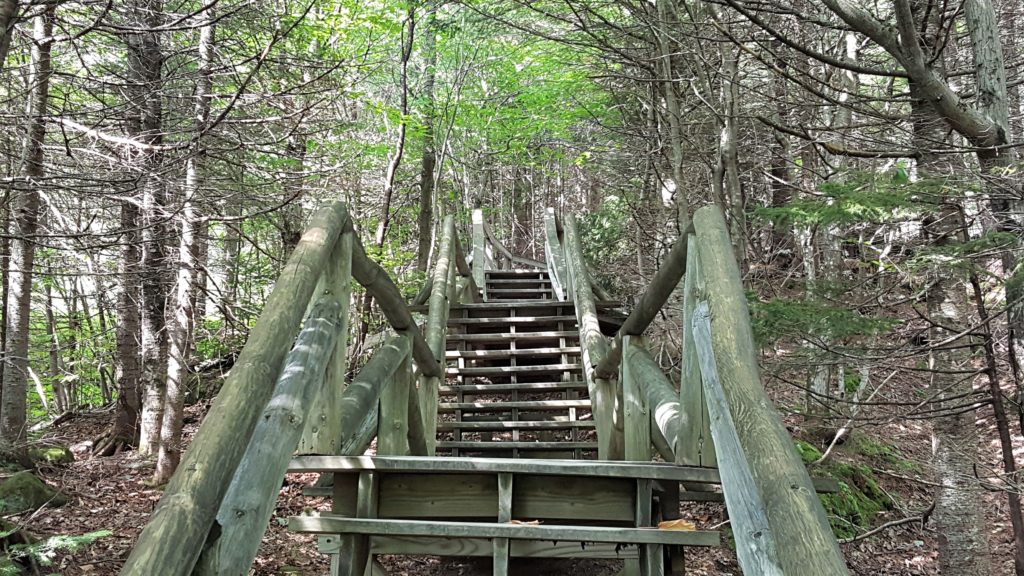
x,y
27,202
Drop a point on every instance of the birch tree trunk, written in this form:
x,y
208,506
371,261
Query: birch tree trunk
x,y
26,225
181,322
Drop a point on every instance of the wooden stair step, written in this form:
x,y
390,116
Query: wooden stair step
x,y
516,425
509,321
502,354
329,524
524,305
606,468
520,386
504,337
533,369
500,445
516,273
517,281
517,290
505,406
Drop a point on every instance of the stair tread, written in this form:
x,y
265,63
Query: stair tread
x,y
511,445
521,386
483,354
441,464
504,305
539,368
546,334
525,405
511,320
331,524
522,425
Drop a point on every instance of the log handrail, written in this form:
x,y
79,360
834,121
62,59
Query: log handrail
x,y
326,257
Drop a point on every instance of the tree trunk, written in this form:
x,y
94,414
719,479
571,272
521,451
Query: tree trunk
x,y
59,399
428,164
181,322
26,224
8,17
146,62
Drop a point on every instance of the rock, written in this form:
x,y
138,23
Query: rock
x,y
23,492
53,455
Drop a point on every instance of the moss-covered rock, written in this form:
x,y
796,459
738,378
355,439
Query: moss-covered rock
x,y
53,455
23,492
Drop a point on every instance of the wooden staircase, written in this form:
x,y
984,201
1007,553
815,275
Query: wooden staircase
x,y
515,473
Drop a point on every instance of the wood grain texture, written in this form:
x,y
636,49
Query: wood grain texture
x,y
805,542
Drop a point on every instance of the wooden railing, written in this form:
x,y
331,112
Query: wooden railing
x,y
287,389
721,415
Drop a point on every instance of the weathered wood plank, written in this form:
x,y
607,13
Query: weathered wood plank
x,y
619,469
172,539
477,547
323,427
501,445
804,541
523,387
695,446
636,418
568,498
338,525
524,404
502,354
407,495
521,425
355,547
393,422
479,256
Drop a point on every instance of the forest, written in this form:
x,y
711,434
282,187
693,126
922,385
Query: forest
x,y
162,159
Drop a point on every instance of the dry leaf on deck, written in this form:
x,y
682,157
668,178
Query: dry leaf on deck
x,y
677,525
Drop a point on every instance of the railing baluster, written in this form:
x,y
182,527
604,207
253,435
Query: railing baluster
x,y
695,446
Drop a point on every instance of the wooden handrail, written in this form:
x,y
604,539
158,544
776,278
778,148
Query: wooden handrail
x,y
171,541
554,254
250,498
651,302
761,471
507,253
595,347
377,282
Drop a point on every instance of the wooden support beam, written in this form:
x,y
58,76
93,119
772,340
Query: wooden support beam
x,y
479,256
323,426
393,423
172,540
695,445
355,554
777,484
595,348
501,545
653,299
361,396
383,289
635,416
659,396
249,501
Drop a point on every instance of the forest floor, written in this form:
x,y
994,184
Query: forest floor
x,y
113,494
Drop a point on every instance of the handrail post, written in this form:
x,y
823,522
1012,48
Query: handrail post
x,y
695,446
479,255
636,419
393,422
758,440
322,434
